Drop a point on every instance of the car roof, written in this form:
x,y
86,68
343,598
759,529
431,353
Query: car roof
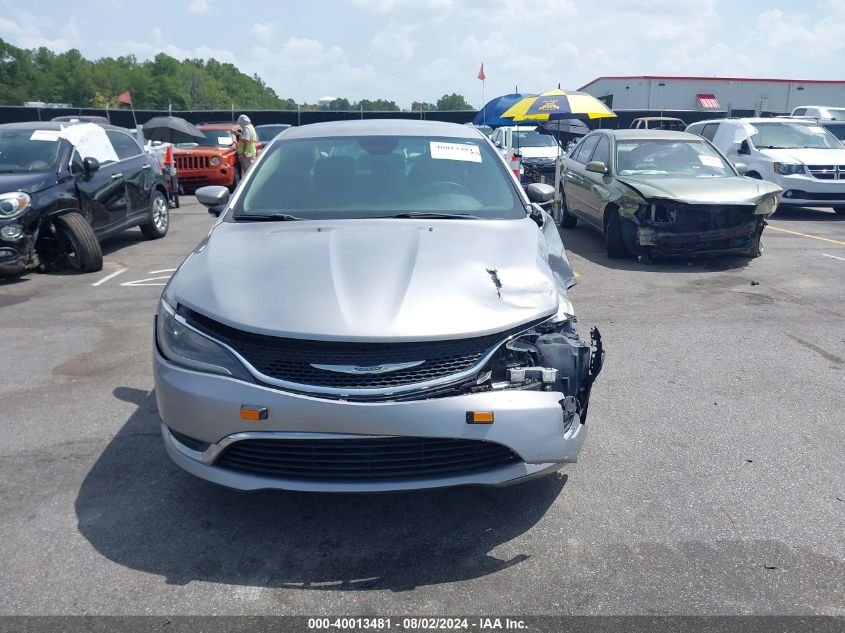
x,y
658,118
56,125
625,135
382,127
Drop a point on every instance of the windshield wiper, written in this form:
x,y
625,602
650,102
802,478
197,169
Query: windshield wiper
x,y
270,217
427,215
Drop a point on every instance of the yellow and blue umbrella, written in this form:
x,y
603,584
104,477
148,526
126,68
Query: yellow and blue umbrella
x,y
558,104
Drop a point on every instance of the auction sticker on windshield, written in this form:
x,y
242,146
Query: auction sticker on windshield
x,y
710,161
224,140
455,151
44,135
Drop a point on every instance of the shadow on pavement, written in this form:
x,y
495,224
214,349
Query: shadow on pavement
x,y
589,244
803,214
139,510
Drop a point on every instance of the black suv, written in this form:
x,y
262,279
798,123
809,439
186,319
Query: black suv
x,y
65,187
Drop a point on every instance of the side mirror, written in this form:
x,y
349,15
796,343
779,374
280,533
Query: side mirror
x,y
90,165
597,166
742,168
743,148
540,193
212,196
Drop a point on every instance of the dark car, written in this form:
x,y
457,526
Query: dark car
x,y
81,118
64,188
269,131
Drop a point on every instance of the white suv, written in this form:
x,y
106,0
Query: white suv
x,y
802,157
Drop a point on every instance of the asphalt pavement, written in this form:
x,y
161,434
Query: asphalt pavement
x,y
712,482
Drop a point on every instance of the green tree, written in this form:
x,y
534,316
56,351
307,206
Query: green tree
x,y
377,105
422,106
453,102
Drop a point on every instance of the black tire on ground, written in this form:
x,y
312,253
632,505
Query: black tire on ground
x,y
567,220
159,220
756,244
839,210
754,175
176,202
614,240
75,234
236,179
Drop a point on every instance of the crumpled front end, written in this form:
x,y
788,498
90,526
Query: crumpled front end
x,y
325,417
682,228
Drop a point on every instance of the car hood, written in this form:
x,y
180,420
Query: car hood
x,y
808,156
27,182
370,280
737,189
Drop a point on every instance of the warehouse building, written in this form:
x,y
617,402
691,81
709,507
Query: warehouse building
x,y
732,95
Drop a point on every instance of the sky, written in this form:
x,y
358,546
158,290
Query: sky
x,y
418,50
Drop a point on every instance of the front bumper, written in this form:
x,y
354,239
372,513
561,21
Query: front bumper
x,y
191,180
207,408
733,240
803,190
16,256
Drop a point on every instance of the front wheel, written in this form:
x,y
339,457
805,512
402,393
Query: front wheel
x,y
614,240
159,220
567,220
81,248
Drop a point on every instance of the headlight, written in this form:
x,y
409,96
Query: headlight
x,y
766,206
181,344
786,169
215,160
13,204
11,231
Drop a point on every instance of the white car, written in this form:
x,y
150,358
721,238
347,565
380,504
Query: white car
x,y
820,113
802,157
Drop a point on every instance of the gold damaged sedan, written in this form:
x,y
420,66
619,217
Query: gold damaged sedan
x,y
664,193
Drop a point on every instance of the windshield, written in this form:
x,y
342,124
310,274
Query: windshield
x,y
532,139
667,124
838,130
372,176
792,136
29,150
267,133
695,159
213,138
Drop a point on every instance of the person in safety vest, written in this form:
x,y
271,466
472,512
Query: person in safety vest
x,y
246,144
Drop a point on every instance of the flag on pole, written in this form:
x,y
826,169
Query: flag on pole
x,y
481,74
125,97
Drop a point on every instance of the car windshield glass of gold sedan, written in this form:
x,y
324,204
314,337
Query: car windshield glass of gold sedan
x,y
373,176
654,157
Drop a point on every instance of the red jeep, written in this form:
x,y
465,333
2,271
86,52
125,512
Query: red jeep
x,y
213,161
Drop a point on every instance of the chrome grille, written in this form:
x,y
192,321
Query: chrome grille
x,y
293,360
827,172
364,459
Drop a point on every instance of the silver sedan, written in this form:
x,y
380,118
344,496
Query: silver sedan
x,y
379,307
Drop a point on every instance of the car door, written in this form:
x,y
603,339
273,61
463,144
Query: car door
x,y
575,183
102,193
595,189
136,168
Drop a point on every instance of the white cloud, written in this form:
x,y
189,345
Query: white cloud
x,y
395,43
264,31
198,6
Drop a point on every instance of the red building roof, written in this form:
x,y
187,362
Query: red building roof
x,y
737,79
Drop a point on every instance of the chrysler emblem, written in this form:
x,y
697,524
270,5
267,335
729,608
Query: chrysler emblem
x,y
375,369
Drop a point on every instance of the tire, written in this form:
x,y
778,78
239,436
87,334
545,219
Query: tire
x,y
839,210
159,217
236,179
756,245
614,240
176,202
754,175
567,220
82,250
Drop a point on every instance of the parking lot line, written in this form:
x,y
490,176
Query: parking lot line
x,y
812,237
163,270
841,259
110,276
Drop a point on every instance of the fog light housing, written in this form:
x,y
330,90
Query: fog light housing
x,y
7,253
11,231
